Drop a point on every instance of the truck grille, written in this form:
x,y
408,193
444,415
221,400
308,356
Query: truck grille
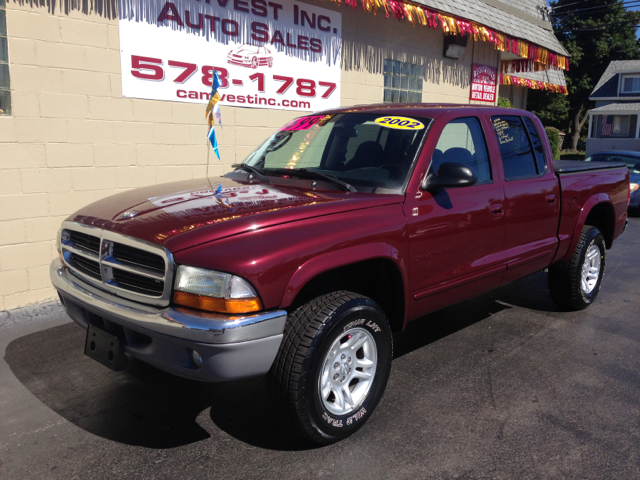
x,y
86,266
135,256
88,242
119,264
138,283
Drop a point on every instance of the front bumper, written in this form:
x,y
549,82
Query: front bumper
x,y
231,347
240,62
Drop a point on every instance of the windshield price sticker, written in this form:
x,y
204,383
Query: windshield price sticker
x,y
401,123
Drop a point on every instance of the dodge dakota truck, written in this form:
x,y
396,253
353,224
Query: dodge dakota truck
x,y
334,233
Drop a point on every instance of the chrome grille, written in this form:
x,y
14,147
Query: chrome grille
x,y
89,267
121,265
135,256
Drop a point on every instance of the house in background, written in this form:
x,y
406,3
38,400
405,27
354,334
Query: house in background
x,y
613,124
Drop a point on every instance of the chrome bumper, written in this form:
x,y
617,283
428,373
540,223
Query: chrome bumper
x,y
231,346
176,322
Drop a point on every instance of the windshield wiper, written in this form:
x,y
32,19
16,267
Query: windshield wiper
x,y
256,172
303,172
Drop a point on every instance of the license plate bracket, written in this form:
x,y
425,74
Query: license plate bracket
x,y
105,348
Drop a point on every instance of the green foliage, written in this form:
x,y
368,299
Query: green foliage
x,y
554,141
551,108
504,102
594,34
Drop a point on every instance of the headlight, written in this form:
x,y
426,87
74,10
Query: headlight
x,y
214,291
634,187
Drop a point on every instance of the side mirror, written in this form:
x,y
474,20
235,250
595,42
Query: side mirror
x,y
450,174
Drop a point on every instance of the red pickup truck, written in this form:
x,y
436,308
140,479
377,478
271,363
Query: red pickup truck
x,y
338,230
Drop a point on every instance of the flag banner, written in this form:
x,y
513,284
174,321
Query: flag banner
x,y
216,112
279,55
607,121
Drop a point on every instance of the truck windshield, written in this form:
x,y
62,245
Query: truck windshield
x,y
371,152
633,163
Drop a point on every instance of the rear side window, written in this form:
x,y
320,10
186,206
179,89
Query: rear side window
x,y
518,158
462,141
538,149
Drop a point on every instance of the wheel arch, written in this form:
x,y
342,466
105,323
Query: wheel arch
x,y
372,270
598,211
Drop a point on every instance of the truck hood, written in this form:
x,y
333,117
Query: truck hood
x,y
180,215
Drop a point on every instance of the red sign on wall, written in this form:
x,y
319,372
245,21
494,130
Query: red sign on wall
x,y
483,83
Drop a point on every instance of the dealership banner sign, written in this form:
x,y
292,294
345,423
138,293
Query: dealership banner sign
x,y
484,79
269,54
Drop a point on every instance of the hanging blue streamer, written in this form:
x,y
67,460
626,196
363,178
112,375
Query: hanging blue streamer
x,y
214,142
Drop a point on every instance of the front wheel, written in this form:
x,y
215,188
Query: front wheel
x,y
333,365
575,284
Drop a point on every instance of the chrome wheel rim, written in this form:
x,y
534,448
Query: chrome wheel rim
x,y
348,370
590,269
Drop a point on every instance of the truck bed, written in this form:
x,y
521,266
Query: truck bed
x,y
574,166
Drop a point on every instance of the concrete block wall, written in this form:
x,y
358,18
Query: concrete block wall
x,y
72,139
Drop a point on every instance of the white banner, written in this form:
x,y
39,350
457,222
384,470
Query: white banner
x,y
269,54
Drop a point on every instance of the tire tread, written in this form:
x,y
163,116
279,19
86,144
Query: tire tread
x,y
565,277
301,339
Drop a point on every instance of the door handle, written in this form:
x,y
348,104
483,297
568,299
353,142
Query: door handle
x,y
551,199
496,210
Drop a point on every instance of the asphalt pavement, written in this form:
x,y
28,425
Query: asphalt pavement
x,y
503,386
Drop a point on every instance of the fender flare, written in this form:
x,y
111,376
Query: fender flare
x,y
341,258
593,201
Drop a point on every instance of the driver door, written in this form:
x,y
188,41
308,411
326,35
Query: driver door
x,y
456,235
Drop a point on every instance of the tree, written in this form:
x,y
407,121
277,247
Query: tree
x,y
554,141
594,32
504,102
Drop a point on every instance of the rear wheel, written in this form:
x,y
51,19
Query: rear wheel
x,y
333,365
575,284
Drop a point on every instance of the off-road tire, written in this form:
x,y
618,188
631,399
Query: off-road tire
x,y
565,278
294,377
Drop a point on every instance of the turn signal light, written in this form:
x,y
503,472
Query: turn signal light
x,y
219,305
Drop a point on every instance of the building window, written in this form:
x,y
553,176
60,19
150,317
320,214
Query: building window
x,y
5,93
631,84
402,82
621,126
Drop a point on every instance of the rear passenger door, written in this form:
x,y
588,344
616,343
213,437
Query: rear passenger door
x,y
532,196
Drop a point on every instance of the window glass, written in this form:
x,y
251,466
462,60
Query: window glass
x,y
352,147
621,125
402,82
518,159
615,126
633,163
462,141
538,149
631,84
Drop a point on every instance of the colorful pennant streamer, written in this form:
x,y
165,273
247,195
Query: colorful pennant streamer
x,y
520,66
455,26
214,141
533,84
214,108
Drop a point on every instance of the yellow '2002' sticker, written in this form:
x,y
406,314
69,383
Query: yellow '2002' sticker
x,y
402,123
